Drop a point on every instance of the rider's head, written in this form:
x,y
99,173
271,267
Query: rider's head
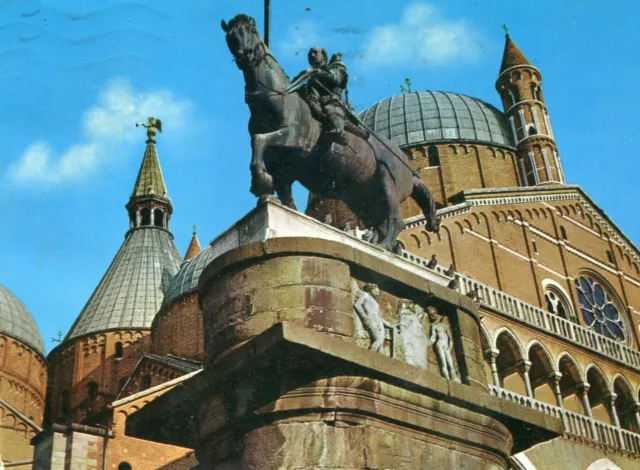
x,y
317,57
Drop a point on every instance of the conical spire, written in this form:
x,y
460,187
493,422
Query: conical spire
x,y
512,55
194,247
149,204
150,180
131,291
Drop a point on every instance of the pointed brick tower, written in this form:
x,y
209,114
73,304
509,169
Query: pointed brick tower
x,y
194,247
113,329
520,87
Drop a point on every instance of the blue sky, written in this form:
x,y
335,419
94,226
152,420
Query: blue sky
x,y
75,76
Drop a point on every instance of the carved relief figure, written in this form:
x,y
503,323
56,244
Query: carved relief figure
x,y
442,344
368,310
413,338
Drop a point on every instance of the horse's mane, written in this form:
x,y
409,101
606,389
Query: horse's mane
x,y
241,19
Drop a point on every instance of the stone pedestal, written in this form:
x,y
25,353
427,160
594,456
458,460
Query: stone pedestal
x,y
290,380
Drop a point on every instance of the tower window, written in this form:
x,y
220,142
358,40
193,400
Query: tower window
x,y
433,155
563,232
118,354
534,91
92,390
158,218
532,130
535,247
146,216
124,466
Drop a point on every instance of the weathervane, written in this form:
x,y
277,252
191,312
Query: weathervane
x,y
151,126
58,339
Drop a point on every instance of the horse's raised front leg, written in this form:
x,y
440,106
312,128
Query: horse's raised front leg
x,y
261,181
391,227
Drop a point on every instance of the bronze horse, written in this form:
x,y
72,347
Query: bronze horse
x,y
372,176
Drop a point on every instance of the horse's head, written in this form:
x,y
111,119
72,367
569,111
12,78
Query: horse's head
x,y
243,39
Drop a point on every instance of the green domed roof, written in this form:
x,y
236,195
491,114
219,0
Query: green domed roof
x,y
188,276
425,117
17,322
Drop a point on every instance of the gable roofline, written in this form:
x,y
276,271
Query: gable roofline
x,y
188,366
521,195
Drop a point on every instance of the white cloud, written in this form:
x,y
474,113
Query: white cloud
x,y
301,36
111,121
423,36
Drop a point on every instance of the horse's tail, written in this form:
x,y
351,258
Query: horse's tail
x,y
422,196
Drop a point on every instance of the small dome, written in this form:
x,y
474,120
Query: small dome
x,y
425,117
188,276
17,322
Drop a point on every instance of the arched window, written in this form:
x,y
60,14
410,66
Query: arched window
x,y
534,91
146,216
125,466
433,155
158,218
92,390
118,354
557,301
610,257
146,382
563,232
599,312
535,246
66,402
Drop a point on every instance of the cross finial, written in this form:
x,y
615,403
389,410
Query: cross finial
x,y
506,30
194,229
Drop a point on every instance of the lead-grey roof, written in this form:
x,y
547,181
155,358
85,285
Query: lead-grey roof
x,y
431,116
133,288
17,322
187,278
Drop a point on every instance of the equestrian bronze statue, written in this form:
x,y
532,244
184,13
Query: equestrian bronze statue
x,y
290,143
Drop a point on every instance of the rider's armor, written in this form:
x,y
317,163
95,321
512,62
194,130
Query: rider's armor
x,y
323,92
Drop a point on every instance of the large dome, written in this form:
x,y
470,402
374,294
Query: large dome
x,y
17,322
424,117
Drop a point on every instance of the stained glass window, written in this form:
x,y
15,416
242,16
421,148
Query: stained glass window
x,y
598,311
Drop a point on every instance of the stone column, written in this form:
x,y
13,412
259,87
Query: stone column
x,y
492,354
153,216
635,409
138,218
610,402
524,367
583,389
555,380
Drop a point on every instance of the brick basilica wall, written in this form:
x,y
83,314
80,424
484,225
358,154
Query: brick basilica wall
x,y
95,359
177,329
23,381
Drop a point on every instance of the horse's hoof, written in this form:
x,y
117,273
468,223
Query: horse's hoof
x,y
265,198
261,184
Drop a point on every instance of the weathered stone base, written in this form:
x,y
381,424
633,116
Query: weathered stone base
x,y
290,381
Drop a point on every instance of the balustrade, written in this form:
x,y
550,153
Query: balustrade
x,y
540,318
577,424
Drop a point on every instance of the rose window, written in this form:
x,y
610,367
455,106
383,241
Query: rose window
x,y
598,311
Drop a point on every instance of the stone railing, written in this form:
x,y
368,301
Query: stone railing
x,y
576,424
540,318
